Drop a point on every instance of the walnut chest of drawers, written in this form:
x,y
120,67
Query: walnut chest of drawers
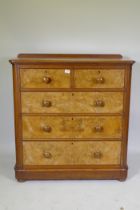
x,y
71,116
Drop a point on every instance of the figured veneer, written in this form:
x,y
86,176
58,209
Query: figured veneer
x,y
72,102
71,153
46,127
87,78
45,78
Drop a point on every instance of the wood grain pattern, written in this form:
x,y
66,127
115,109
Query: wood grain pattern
x,y
71,153
89,78
75,102
17,118
33,78
35,55
72,174
71,127
70,59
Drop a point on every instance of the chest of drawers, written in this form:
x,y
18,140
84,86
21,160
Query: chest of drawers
x,y
71,116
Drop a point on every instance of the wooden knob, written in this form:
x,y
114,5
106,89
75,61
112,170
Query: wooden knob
x,y
46,103
47,128
47,155
99,103
47,79
98,128
97,155
100,80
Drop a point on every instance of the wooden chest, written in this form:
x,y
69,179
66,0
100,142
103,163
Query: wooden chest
x,y
71,116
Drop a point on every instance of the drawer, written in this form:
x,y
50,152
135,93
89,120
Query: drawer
x,y
71,153
45,78
76,102
44,127
92,78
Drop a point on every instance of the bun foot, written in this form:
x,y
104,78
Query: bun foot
x,y
21,180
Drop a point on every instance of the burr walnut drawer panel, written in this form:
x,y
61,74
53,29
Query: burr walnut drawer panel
x,y
71,153
44,78
44,127
89,78
68,102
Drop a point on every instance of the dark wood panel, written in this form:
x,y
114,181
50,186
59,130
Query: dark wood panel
x,y
71,174
108,56
126,117
17,117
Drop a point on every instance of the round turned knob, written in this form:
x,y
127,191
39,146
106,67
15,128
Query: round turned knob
x,y
46,103
47,154
47,129
99,103
97,155
100,80
47,79
98,128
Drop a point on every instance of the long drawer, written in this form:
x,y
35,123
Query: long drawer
x,y
72,102
46,127
61,78
71,153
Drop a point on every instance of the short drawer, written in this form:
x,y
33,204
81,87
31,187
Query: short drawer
x,y
71,153
76,102
45,78
49,127
92,78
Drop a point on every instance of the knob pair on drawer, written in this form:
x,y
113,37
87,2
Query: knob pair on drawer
x,y
97,128
96,155
98,80
97,103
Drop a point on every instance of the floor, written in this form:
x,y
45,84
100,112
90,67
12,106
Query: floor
x,y
68,195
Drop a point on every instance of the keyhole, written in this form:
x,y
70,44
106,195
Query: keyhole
x,y
99,71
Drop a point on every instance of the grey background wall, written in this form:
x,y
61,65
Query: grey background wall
x,y
67,26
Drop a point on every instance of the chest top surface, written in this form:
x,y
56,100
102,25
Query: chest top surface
x,y
70,58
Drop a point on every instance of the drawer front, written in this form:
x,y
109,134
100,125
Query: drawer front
x,y
44,127
71,153
44,78
99,78
76,102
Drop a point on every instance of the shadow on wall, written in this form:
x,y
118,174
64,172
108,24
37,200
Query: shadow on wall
x,y
7,165
133,164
